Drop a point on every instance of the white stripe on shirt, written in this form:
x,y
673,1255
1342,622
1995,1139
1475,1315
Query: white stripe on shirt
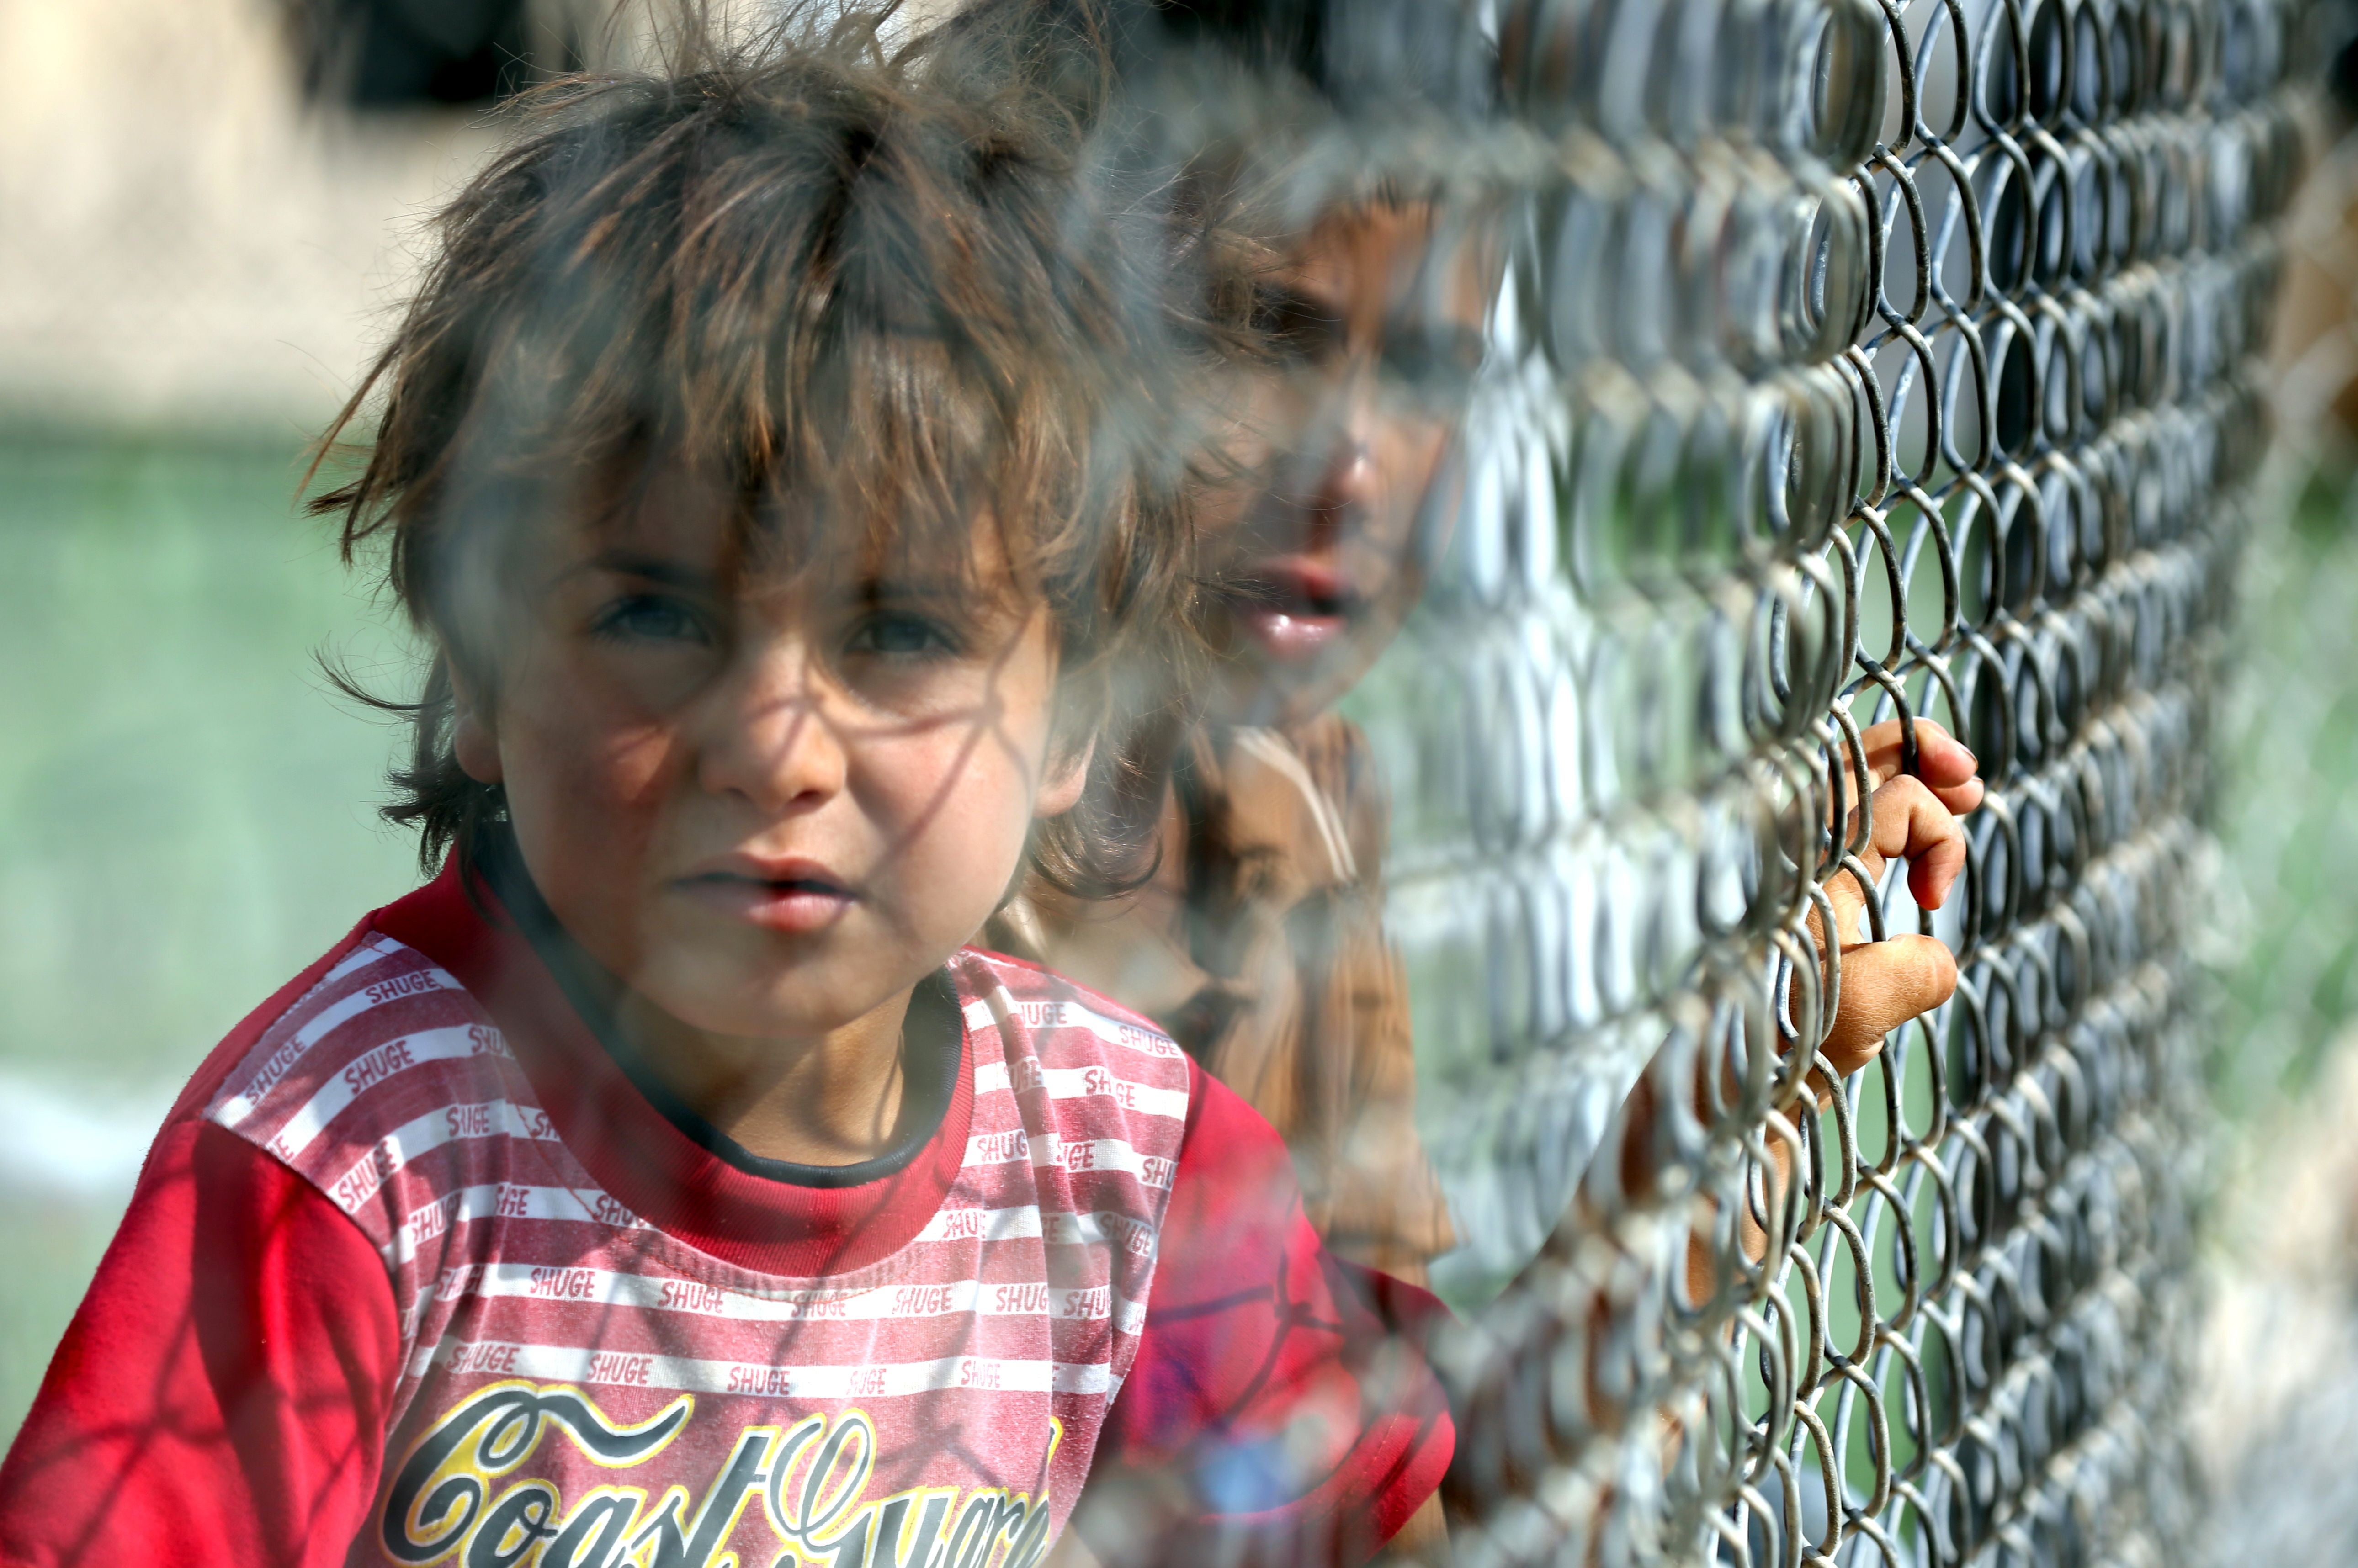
x,y
608,1288
997,1006
293,1049
1081,1083
508,1200
485,1118
387,1062
569,1364
1102,1229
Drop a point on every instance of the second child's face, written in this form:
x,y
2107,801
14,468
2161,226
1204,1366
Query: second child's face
x,y
1338,453
769,807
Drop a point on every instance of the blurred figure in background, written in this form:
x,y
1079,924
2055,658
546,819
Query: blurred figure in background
x,y
1259,942
1355,309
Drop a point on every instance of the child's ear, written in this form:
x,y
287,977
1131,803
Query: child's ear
x,y
1068,776
474,740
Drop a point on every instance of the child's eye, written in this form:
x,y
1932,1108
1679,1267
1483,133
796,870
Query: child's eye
x,y
1432,364
897,636
1295,329
649,618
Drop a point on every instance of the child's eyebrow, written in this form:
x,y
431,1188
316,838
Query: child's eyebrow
x,y
880,589
622,560
625,562
957,599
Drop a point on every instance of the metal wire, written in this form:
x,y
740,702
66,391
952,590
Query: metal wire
x,y
1863,360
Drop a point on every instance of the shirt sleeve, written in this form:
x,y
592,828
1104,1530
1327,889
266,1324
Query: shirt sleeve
x,y
220,1396
1271,1415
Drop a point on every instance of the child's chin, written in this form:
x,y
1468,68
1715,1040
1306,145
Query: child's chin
x,y
757,1016
751,995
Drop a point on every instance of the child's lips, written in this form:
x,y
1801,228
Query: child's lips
x,y
790,897
1295,607
1289,637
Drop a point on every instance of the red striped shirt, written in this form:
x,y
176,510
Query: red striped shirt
x,y
415,1273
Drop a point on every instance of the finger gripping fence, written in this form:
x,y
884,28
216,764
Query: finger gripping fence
x,y
1867,360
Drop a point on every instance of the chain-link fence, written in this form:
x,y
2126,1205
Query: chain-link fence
x,y
1862,361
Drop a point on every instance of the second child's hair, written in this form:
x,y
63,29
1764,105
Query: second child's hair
x,y
854,301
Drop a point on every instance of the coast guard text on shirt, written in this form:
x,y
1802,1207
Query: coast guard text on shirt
x,y
583,1389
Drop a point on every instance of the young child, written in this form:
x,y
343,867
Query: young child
x,y
1260,942
667,1181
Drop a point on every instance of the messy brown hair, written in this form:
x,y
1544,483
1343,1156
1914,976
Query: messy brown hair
x,y
868,304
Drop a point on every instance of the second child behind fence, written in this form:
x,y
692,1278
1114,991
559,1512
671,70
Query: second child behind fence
x,y
667,1181
1333,484
1259,944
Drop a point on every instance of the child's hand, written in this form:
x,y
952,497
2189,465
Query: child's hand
x,y
1885,984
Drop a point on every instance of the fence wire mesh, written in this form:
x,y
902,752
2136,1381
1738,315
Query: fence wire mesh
x,y
1859,361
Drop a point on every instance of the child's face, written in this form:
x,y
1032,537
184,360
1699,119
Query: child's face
x,y
770,807
1338,452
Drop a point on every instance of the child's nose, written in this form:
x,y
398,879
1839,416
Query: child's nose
x,y
770,739
1347,486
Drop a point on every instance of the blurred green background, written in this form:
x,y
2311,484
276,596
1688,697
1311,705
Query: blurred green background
x,y
2284,944
187,811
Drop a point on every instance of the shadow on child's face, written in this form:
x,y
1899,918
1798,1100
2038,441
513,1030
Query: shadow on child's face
x,y
770,803
1337,469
